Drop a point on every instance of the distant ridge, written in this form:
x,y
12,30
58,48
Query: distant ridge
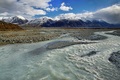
x,y
60,22
16,20
9,26
68,23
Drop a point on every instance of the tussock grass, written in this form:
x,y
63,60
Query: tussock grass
x,y
42,34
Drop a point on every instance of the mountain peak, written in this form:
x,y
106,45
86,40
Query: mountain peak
x,y
16,20
45,18
20,17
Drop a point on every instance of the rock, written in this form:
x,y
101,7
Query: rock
x,y
115,59
90,54
97,37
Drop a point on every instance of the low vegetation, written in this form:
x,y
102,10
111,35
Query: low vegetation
x,y
25,36
8,26
30,35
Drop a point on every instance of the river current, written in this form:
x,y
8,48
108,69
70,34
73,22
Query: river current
x,y
46,61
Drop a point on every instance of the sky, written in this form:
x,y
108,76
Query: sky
x,y
107,10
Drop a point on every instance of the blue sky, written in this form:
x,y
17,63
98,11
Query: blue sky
x,y
80,6
107,10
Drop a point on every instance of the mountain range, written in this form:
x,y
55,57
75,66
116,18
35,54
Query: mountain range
x,y
61,22
16,20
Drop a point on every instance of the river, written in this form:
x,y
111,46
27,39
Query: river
x,y
64,58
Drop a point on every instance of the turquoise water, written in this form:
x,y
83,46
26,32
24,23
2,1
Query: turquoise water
x,y
35,62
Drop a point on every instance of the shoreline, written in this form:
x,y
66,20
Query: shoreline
x,y
43,34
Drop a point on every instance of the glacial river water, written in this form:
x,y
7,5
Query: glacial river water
x,y
46,61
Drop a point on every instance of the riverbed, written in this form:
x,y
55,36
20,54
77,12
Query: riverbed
x,y
63,58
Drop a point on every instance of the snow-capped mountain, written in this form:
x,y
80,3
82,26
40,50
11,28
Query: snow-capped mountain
x,y
49,22
61,21
16,20
39,22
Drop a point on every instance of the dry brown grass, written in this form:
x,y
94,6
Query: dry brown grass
x,y
41,34
26,36
8,26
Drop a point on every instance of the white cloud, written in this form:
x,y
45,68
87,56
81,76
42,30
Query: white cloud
x,y
51,9
65,16
4,14
64,7
31,11
23,7
110,14
37,3
72,16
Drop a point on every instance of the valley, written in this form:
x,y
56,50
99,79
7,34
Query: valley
x,y
59,39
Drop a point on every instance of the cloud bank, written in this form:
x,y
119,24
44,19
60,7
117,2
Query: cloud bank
x,y
26,8
110,14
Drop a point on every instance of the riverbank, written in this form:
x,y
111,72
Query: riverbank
x,y
43,34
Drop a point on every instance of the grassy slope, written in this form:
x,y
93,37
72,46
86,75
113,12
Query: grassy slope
x,y
8,26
